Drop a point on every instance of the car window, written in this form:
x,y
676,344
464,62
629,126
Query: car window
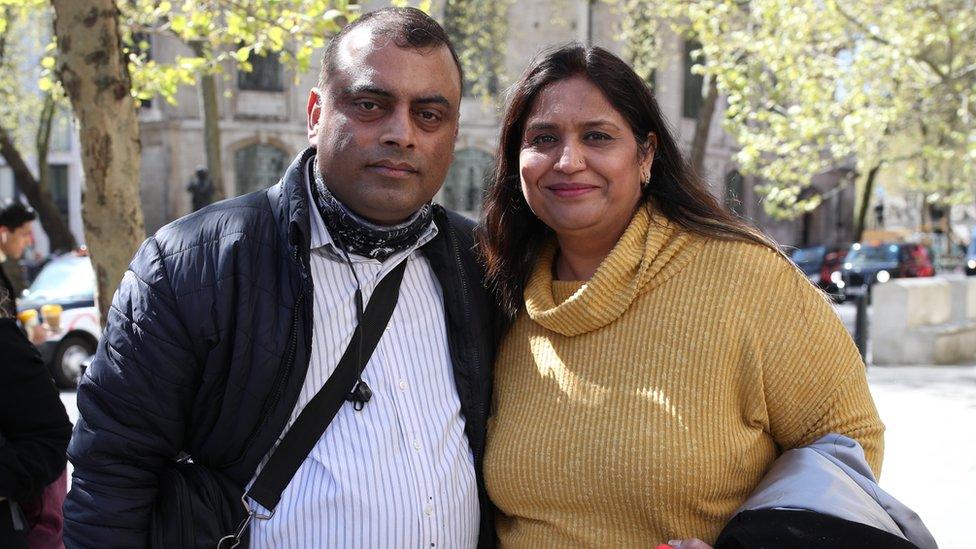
x,y
808,255
66,278
884,253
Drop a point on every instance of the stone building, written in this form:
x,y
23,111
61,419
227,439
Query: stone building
x,y
262,127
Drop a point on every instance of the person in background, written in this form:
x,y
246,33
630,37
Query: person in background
x,y
34,433
661,354
16,222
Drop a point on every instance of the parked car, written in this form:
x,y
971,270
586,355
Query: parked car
x,y
868,264
818,263
68,283
971,255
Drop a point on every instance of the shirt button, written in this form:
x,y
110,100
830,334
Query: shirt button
x,y
403,385
416,445
428,510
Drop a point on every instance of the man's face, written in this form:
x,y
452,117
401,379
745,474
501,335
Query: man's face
x,y
14,241
385,124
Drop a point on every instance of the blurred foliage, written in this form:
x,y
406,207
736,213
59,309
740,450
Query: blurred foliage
x,y
27,82
817,84
219,32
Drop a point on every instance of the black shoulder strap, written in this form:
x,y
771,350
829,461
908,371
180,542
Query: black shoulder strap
x,y
318,413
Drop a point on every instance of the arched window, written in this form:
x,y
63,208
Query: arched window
x,y
259,166
465,180
734,190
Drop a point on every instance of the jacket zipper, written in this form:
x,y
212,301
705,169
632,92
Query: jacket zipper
x,y
285,372
476,358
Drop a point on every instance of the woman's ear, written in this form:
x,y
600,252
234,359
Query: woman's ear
x,y
650,148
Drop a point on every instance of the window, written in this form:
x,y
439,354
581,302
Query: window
x,y
61,131
265,75
8,190
465,180
57,183
693,83
734,189
259,166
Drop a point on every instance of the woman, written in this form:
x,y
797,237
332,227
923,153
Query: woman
x,y
661,354
34,433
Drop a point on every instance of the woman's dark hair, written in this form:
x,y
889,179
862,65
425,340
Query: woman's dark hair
x,y
511,235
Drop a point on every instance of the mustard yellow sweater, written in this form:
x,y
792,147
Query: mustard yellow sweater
x,y
646,404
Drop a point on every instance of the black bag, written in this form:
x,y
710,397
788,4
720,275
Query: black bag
x,y
200,508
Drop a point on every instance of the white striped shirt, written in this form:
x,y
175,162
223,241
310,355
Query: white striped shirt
x,y
399,473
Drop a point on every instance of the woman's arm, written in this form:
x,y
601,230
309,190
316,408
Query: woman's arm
x,y
33,423
814,381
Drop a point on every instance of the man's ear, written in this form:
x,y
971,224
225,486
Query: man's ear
x,y
314,109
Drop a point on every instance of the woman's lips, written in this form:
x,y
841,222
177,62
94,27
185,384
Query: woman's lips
x,y
570,190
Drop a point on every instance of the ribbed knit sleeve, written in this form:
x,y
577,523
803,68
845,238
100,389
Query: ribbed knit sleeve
x,y
814,380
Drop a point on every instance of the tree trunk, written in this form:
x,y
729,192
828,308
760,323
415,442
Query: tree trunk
x,y
211,127
862,212
43,141
94,72
39,198
703,125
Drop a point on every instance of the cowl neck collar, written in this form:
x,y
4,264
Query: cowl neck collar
x,y
651,250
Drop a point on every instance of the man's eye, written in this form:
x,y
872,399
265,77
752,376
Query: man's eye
x,y
367,105
429,116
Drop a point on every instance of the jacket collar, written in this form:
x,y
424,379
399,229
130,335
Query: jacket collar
x,y
293,202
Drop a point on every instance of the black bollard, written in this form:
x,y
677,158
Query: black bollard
x,y
861,324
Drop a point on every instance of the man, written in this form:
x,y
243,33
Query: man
x,y
16,222
231,319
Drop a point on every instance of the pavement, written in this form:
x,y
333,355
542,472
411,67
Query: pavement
x,y
930,442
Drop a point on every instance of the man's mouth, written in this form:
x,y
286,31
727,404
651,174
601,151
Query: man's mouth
x,y
389,168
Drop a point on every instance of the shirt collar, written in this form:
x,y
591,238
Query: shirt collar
x,y
321,238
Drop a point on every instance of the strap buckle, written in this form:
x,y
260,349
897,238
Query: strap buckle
x,y
231,541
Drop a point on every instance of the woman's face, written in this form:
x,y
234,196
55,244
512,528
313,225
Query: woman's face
x,y
579,162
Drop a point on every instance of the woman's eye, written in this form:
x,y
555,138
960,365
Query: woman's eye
x,y
543,138
598,136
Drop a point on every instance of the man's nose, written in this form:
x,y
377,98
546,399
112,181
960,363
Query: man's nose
x,y
399,130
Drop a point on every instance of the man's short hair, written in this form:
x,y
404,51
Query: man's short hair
x,y
13,214
408,28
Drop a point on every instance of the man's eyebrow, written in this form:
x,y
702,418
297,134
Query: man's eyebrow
x,y
357,89
436,98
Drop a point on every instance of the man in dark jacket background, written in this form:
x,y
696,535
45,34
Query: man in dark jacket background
x,y
230,319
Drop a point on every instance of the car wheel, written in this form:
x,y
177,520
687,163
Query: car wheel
x,y
67,359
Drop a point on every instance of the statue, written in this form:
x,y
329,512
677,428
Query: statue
x,y
200,188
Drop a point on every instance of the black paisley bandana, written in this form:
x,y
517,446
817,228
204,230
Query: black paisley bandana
x,y
358,235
